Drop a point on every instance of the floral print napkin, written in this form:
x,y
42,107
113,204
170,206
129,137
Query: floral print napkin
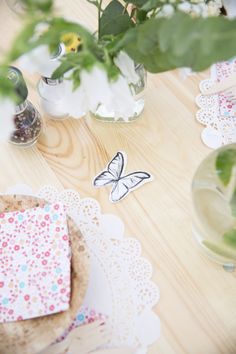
x,y
34,263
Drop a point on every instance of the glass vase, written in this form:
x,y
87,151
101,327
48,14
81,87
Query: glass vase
x,y
138,91
214,203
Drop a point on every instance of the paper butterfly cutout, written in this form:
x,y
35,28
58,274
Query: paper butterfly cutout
x,y
122,185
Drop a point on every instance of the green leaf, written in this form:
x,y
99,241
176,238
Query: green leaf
x,y
44,6
82,60
25,41
181,41
114,19
152,4
6,86
230,238
141,16
220,250
225,161
62,69
76,79
233,203
138,3
93,2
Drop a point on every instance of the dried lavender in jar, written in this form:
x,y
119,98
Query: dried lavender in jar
x,y
28,123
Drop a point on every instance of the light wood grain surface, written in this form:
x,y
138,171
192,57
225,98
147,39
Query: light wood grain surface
x,y
197,308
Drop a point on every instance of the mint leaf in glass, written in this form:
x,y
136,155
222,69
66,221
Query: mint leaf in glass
x,y
233,203
225,169
220,250
230,238
225,162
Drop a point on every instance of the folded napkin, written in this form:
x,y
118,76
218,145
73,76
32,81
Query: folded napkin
x,y
34,263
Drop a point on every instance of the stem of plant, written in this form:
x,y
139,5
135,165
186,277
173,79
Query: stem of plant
x,y
99,18
125,8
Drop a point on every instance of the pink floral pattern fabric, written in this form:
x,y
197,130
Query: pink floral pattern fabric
x,y
34,263
223,70
85,316
218,112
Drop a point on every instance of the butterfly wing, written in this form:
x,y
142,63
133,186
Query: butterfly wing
x,y
113,172
116,166
128,183
103,179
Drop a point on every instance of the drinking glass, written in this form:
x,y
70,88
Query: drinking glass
x,y
214,203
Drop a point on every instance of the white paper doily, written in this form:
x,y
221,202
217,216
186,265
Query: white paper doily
x,y
120,286
217,112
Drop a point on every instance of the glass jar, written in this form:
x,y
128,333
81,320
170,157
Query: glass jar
x,y
27,120
28,125
214,202
52,93
138,92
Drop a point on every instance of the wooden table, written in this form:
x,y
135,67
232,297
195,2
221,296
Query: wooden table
x,y
197,308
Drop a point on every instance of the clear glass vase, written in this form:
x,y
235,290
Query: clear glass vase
x,y
214,203
138,90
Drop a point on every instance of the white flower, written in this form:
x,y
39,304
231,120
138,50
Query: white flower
x,y
39,61
200,8
127,67
214,8
166,11
96,87
185,7
123,103
95,90
74,101
230,6
7,109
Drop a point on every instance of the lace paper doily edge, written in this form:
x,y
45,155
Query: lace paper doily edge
x,y
148,316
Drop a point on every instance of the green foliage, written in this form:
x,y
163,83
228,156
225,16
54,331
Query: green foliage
x,y
44,6
233,203
27,39
166,43
230,238
138,3
6,86
160,44
219,249
74,61
151,4
114,19
225,162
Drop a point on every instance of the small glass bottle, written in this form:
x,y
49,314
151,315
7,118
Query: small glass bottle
x,y
27,120
52,91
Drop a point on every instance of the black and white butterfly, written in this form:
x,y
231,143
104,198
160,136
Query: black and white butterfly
x,y
121,185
